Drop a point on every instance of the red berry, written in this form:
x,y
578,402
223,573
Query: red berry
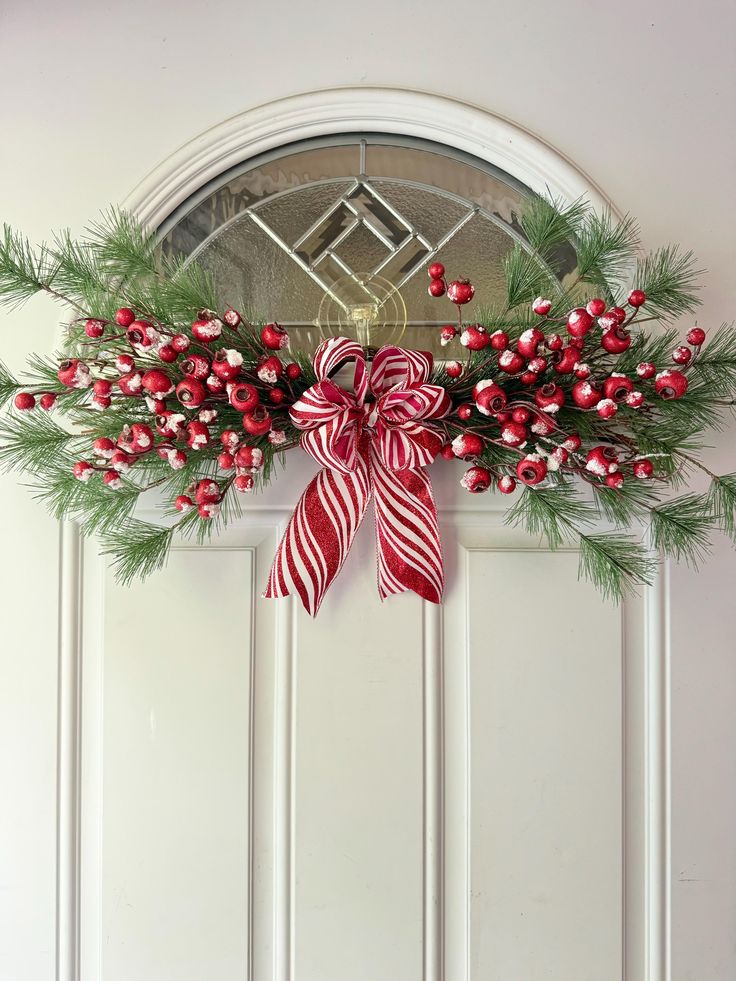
x,y
196,366
243,396
436,288
541,306
464,411
447,334
476,480
131,383
436,270
446,452
292,371
232,318
608,321
550,398
257,422
243,483
554,342
198,435
532,469
529,342
637,298
208,511
167,353
528,378
207,329
582,370
276,395
24,401
270,369
207,491
643,469
670,384
124,363
454,369
579,322
183,503
180,343
507,485
475,337
596,307
74,374
460,291
617,387
521,415
101,402
83,470
142,333
514,434
225,461
616,341
104,447
137,438
585,395
635,400
615,480
170,423
572,443
682,355
537,365
646,370
124,317
606,408
601,460
564,361
48,401
696,336
249,458
227,364
489,397
499,340
230,439
619,313
112,479
191,393
274,337
467,445
157,383
94,328
510,361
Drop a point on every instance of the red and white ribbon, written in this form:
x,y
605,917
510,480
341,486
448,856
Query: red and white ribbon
x,y
375,448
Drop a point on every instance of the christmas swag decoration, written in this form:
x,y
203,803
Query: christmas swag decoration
x,y
575,395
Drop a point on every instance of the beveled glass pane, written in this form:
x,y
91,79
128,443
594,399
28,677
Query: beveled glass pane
x,y
282,233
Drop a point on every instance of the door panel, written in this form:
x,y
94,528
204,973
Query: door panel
x,y
392,791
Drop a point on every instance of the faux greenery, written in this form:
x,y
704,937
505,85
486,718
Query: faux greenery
x,y
568,254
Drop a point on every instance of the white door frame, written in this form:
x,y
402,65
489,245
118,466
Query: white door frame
x,y
646,711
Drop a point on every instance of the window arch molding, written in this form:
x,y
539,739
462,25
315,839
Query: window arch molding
x,y
403,112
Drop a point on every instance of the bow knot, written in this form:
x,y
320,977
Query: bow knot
x,y
373,441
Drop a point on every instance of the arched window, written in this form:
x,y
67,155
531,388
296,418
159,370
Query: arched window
x,y
335,234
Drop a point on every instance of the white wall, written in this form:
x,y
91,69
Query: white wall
x,y
639,95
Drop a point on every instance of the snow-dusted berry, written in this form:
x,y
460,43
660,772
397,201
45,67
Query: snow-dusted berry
x,y
74,373
476,480
83,470
257,422
467,445
532,469
274,337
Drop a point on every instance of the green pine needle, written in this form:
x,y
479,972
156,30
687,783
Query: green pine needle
x,y
553,512
31,441
616,564
715,365
669,277
549,223
681,527
526,276
9,385
722,497
137,549
24,271
606,248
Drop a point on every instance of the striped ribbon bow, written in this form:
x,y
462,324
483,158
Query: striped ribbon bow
x,y
375,448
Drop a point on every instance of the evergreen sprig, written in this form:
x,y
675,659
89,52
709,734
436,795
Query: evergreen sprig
x,y
682,527
616,564
137,549
669,277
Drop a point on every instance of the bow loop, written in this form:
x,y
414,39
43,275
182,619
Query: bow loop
x,y
376,449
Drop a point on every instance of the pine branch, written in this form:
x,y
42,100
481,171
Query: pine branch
x,y
137,549
627,505
31,442
606,249
24,271
715,365
554,512
615,564
526,276
549,223
669,278
722,498
681,527
9,385
122,246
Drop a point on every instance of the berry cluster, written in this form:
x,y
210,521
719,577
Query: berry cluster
x,y
526,395
217,388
